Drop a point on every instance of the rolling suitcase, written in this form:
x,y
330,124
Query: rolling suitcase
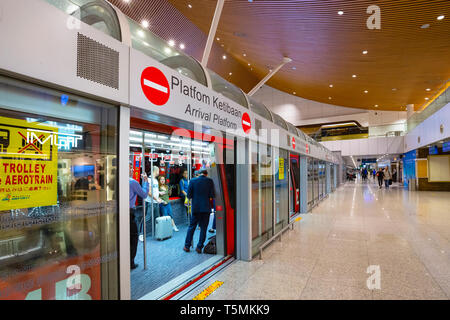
x,y
163,228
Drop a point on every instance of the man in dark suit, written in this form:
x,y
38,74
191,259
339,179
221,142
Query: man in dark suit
x,y
200,190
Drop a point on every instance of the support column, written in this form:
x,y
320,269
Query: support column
x,y
409,110
212,32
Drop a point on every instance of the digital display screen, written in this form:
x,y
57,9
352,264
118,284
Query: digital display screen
x,y
83,171
433,150
446,146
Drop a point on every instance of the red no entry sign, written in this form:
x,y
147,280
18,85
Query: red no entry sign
x,y
307,148
293,142
246,123
155,86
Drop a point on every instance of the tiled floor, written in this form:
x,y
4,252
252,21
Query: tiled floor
x,y
327,255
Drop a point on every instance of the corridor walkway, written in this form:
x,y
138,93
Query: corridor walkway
x,y
404,234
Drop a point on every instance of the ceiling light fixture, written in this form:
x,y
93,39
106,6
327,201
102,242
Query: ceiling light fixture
x,y
376,106
329,98
230,73
428,89
218,38
365,52
224,57
145,23
331,86
427,98
340,12
354,76
171,43
365,91
441,17
425,26
190,6
182,46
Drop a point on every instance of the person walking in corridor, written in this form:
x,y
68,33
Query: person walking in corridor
x,y
387,177
201,191
380,176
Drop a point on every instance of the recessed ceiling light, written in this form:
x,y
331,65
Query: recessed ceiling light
x,y
294,68
145,23
141,33
428,89
221,45
441,17
365,91
218,38
171,43
354,76
427,98
376,106
249,64
329,98
182,46
224,57
365,52
340,12
190,6
244,54
394,89
230,73
425,26
294,92
167,50
331,86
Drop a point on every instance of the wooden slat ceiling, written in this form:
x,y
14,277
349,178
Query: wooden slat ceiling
x,y
403,59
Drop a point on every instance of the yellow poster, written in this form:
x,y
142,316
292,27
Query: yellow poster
x,y
28,164
280,168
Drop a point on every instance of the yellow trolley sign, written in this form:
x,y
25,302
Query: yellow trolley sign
x,y
28,164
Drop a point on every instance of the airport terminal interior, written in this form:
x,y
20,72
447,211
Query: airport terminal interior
x,y
224,150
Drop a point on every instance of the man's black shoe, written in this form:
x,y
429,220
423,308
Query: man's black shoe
x,y
134,266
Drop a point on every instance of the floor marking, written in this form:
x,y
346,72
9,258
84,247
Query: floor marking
x,y
205,293
298,219
154,85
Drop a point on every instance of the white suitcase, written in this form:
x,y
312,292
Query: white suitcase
x,y
163,228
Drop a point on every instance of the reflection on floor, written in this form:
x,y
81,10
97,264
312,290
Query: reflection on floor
x,y
165,261
327,255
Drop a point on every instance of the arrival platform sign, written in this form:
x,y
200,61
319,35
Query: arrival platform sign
x,y
28,164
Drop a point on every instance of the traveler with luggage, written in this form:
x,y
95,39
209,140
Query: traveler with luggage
x,y
135,190
152,199
165,209
201,191
387,177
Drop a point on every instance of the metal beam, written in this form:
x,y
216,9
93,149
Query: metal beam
x,y
212,32
268,76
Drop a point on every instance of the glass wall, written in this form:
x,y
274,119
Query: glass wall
x,y
58,207
281,190
322,179
316,181
262,213
310,182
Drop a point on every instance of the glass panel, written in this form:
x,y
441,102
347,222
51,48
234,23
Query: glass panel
x,y
279,121
153,46
291,128
259,108
281,191
228,89
310,181
59,176
172,162
316,181
262,216
96,13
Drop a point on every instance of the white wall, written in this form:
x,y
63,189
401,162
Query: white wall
x,y
429,130
368,146
301,111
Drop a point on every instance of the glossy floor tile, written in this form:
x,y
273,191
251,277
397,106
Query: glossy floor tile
x,y
360,243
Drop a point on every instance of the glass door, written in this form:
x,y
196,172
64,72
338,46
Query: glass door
x,y
172,162
295,185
